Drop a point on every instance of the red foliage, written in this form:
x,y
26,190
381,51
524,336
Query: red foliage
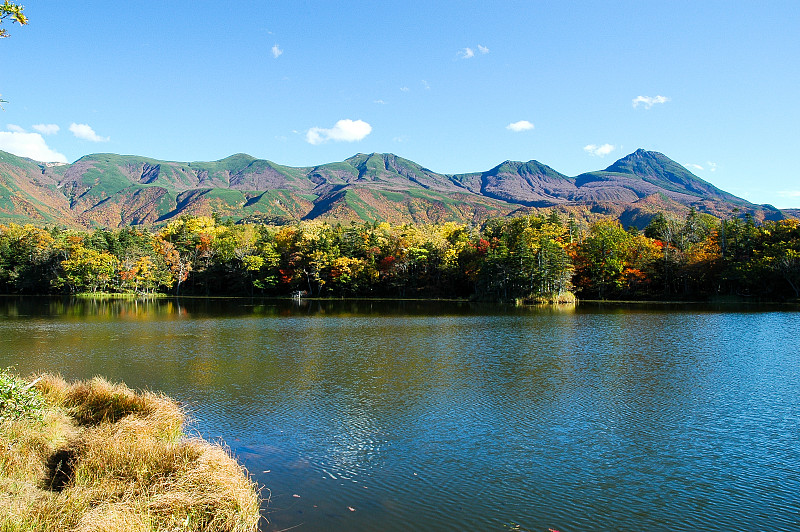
x,y
386,263
129,275
286,276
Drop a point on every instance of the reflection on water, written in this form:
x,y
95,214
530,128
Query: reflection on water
x,y
450,416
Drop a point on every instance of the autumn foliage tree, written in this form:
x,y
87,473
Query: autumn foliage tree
x,y
530,258
28,258
526,258
601,259
12,12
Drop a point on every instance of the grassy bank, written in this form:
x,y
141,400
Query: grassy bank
x,y
98,456
120,295
553,298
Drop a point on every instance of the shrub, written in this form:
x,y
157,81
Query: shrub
x,y
18,398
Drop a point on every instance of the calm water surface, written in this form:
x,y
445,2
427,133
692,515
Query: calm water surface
x,y
451,416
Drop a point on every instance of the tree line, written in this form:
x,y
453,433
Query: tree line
x,y
535,257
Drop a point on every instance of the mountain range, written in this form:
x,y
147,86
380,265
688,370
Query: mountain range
x,y
110,190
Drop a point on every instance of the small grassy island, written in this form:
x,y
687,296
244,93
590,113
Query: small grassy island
x,y
98,456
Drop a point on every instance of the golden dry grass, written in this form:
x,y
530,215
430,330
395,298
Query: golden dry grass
x,y
554,298
108,459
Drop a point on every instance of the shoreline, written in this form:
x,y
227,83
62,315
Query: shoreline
x,y
725,300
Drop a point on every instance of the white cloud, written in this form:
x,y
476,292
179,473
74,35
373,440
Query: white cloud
x,y
379,102
404,89
711,167
466,53
47,129
522,125
789,193
469,53
425,85
15,128
649,101
276,51
599,151
31,145
85,132
343,131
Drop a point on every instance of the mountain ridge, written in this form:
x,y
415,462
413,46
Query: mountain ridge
x,y
114,190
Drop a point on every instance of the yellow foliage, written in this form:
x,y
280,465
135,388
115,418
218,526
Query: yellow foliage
x,y
27,236
253,263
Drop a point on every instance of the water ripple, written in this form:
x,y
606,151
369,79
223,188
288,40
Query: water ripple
x,y
589,420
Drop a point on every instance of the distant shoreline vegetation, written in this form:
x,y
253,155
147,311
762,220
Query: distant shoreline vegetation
x,y
119,295
528,259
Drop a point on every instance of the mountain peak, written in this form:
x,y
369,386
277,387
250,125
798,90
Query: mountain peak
x,y
642,161
660,170
531,168
378,155
237,157
651,165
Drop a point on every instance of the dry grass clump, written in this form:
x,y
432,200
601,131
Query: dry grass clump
x,y
24,450
552,298
105,458
99,401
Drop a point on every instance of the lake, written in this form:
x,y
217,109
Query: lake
x,y
407,415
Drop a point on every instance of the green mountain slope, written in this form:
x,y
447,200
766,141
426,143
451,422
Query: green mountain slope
x,y
660,170
118,190
531,184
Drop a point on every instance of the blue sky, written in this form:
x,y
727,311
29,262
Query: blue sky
x,y
455,86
